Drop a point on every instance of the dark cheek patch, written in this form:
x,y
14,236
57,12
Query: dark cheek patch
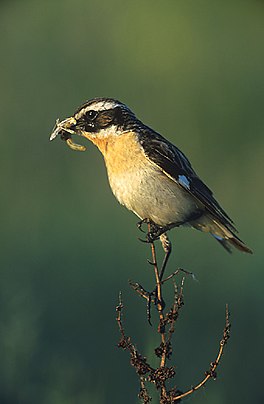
x,y
104,119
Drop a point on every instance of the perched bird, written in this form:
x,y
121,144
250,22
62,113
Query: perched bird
x,y
147,173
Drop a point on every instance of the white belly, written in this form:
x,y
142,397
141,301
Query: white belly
x,y
141,186
149,193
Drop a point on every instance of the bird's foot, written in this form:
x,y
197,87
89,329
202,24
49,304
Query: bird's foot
x,y
140,223
154,233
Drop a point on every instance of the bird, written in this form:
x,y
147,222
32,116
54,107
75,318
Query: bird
x,y
148,174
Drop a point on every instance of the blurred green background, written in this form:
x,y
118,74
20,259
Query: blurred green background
x,y
193,70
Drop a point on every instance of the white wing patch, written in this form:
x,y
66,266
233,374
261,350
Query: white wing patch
x,y
183,180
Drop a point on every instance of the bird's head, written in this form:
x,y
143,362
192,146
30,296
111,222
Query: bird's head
x,y
96,120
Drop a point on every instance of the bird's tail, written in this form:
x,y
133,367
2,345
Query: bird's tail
x,y
226,237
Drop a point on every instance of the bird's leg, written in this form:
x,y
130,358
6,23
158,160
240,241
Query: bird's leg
x,y
166,245
157,231
154,232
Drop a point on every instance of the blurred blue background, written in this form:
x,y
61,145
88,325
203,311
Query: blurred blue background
x,y
193,70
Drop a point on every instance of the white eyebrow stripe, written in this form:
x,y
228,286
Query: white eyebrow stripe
x,y
97,106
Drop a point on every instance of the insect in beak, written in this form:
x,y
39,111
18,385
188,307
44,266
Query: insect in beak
x,y
64,129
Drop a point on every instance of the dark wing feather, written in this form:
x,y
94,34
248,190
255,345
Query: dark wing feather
x,y
176,166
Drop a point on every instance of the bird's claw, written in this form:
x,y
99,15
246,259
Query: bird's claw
x,y
151,262
152,236
154,233
140,223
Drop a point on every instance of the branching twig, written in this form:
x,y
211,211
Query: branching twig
x,y
166,325
211,373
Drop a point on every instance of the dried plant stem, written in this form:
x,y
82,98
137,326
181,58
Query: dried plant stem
x,y
166,324
160,302
212,372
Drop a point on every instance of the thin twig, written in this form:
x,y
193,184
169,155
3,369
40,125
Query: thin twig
x,y
174,313
160,302
177,272
166,326
211,373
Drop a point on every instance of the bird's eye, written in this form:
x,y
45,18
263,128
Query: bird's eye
x,y
91,114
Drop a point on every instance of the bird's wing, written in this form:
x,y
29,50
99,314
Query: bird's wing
x,y
176,166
